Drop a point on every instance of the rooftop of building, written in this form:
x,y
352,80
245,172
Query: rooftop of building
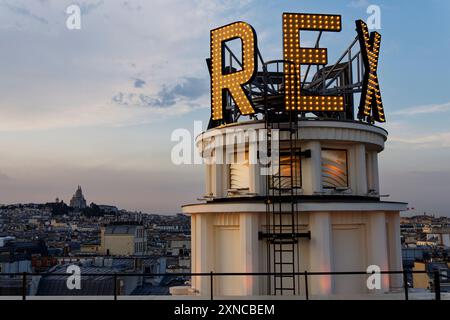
x,y
121,229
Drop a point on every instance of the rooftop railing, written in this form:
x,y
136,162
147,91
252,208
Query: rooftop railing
x,y
115,277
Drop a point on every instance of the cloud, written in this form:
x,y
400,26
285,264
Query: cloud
x,y
428,130
142,100
187,92
127,5
406,133
437,140
25,12
86,8
139,83
431,108
191,87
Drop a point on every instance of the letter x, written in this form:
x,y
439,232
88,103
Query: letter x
x,y
371,104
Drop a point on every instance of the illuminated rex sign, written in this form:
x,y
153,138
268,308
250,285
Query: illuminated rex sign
x,y
229,82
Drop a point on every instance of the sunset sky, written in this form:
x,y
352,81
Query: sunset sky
x,y
96,107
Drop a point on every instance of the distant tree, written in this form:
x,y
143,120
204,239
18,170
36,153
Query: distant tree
x,y
93,211
58,208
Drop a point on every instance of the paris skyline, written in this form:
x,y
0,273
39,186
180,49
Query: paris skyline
x,y
96,107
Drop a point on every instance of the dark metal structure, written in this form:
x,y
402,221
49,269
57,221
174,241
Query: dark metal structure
x,y
266,91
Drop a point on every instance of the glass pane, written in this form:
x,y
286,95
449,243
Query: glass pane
x,y
283,179
334,168
240,174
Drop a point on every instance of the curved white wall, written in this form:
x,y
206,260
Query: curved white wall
x,y
361,142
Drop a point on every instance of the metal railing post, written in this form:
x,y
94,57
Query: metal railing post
x,y
306,285
211,284
437,285
115,286
405,284
24,286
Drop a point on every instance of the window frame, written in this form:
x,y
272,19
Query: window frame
x,y
299,177
246,164
346,167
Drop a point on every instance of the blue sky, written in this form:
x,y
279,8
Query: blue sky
x,y
97,106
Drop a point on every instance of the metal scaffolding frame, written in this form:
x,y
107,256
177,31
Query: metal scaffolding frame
x,y
266,91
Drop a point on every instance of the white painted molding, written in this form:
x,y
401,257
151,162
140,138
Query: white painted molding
x,y
247,207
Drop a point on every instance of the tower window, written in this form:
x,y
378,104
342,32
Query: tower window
x,y
334,168
289,165
240,173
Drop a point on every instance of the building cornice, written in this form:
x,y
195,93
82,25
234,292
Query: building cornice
x,y
307,206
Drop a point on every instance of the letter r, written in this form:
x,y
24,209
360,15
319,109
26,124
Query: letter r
x,y
225,80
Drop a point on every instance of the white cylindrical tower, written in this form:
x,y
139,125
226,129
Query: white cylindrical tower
x,y
337,202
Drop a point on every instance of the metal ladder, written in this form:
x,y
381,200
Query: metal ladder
x,y
282,186
282,232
